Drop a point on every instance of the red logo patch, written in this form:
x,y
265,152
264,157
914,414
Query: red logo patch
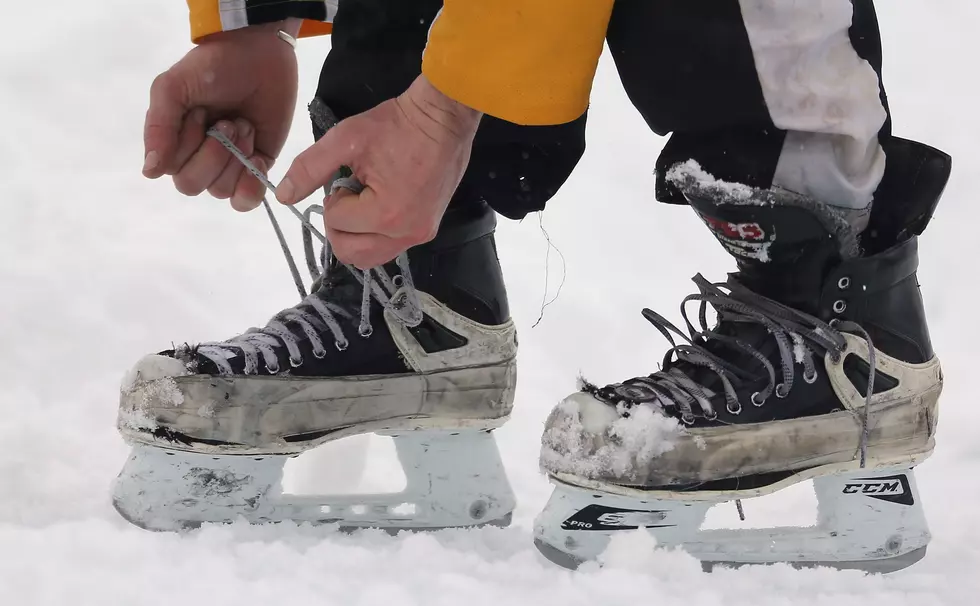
x,y
740,231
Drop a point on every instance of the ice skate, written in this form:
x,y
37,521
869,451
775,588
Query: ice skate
x,y
422,350
776,392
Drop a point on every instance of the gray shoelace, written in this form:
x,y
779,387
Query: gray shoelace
x,y
313,314
797,336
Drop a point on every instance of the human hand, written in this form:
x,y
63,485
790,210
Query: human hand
x,y
245,83
410,154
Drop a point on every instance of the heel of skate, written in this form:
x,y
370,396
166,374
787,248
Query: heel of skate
x,y
453,479
868,519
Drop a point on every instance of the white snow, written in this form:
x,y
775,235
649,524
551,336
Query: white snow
x,y
152,368
592,440
161,391
799,348
99,267
691,170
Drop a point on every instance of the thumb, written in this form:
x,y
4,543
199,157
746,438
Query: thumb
x,y
319,164
168,103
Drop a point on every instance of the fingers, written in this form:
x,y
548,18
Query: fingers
x,y
204,164
363,233
207,165
249,190
224,186
189,140
346,211
364,213
364,251
314,168
164,118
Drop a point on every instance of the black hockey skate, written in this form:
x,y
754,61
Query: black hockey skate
x,y
422,349
775,392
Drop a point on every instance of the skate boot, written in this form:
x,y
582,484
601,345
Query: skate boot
x,y
819,366
422,350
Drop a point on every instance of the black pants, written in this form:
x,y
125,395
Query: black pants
x,y
689,67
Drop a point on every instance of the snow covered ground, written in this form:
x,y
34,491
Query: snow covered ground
x,y
99,266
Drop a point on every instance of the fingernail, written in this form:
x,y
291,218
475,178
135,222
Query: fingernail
x,y
242,204
227,129
285,191
244,128
151,161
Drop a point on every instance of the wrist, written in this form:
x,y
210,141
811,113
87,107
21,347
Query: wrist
x,y
290,26
457,116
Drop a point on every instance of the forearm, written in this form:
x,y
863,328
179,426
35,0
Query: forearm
x,y
525,61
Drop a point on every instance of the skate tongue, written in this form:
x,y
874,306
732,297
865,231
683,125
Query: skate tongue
x,y
785,244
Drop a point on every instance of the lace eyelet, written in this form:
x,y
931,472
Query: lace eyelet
x,y
781,391
365,332
755,402
340,345
295,363
844,283
273,370
836,357
711,417
319,355
736,410
811,379
687,418
839,306
398,280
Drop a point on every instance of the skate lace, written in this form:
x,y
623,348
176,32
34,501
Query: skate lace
x,y
313,314
798,336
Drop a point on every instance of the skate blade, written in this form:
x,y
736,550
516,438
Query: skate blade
x,y
453,479
870,521
884,566
880,566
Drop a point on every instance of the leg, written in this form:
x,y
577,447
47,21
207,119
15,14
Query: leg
x,y
424,351
820,365
769,94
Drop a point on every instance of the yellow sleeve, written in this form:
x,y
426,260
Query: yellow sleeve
x,y
525,61
212,16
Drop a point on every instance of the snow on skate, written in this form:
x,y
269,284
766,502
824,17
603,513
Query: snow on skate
x,y
366,352
773,394
189,417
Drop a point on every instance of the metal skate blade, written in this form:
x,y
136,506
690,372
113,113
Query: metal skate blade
x,y
120,508
557,556
186,525
880,566
501,522
871,521
454,479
